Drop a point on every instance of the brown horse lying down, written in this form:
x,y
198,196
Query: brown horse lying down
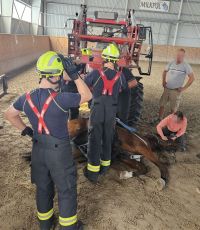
x,y
131,143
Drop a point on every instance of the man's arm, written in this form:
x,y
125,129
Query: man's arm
x,y
183,129
83,90
189,82
132,83
12,115
159,128
164,76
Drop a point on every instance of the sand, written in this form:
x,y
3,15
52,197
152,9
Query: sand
x,y
133,204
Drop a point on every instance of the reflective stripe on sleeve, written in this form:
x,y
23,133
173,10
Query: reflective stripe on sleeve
x,y
68,221
105,163
45,215
93,168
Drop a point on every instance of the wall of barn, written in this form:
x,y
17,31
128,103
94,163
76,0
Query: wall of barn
x,y
162,53
20,50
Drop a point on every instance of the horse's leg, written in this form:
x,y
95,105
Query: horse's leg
x,y
150,155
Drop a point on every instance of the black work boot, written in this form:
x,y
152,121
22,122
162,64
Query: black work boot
x,y
103,170
91,176
77,226
80,225
48,224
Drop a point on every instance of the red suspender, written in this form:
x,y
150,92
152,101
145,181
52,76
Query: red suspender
x,y
40,116
108,84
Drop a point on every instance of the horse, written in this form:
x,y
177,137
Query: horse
x,y
125,142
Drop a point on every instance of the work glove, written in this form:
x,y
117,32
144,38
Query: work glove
x,y
69,67
27,131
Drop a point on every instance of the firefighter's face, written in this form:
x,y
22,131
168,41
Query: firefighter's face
x,y
180,56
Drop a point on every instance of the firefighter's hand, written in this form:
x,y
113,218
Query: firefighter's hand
x,y
109,65
27,131
70,68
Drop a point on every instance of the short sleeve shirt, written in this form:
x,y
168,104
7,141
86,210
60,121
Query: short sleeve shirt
x,y
176,74
94,81
57,114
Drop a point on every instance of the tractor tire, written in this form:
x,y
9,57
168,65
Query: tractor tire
x,y
136,104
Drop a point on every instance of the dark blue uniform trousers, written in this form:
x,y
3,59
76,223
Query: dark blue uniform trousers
x,y
53,164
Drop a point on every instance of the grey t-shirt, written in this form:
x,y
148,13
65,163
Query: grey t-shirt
x,y
176,74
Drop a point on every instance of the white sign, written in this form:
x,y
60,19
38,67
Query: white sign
x,y
154,5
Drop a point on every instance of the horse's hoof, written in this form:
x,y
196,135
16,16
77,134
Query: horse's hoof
x,y
160,184
125,175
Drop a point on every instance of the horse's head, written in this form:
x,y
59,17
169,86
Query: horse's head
x,y
158,145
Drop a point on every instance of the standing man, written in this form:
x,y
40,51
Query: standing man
x,y
173,82
52,160
173,127
106,83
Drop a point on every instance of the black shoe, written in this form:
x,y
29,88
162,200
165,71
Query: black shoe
x,y
80,225
77,226
103,170
48,225
91,176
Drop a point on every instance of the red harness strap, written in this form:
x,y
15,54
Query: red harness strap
x,y
108,84
41,123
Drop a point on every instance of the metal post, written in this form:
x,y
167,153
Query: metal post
x,y
158,34
4,85
169,33
36,5
126,7
177,24
20,18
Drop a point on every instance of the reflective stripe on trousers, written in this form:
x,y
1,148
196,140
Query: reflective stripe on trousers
x,y
105,163
68,221
45,215
93,168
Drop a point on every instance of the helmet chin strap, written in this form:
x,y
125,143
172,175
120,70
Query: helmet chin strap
x,y
58,83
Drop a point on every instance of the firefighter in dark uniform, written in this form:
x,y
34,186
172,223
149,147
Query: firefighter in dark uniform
x,y
52,160
106,84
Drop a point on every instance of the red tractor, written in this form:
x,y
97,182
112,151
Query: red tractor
x,y
91,35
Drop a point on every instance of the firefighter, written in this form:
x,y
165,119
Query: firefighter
x,y
52,160
106,83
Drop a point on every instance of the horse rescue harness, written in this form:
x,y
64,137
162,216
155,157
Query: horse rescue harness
x,y
41,123
107,84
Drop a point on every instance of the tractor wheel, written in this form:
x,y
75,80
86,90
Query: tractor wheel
x,y
136,104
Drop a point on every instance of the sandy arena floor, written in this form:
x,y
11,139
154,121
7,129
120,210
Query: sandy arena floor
x,y
133,204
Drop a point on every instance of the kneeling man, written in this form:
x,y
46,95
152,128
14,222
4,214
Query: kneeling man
x,y
174,127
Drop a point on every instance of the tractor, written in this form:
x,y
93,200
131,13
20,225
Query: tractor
x,y
90,36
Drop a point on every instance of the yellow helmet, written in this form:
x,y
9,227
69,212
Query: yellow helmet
x,y
111,53
49,64
86,51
